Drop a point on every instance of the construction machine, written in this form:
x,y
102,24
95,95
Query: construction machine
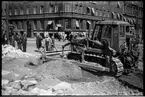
x,y
108,45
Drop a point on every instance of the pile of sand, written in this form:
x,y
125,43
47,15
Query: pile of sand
x,y
60,69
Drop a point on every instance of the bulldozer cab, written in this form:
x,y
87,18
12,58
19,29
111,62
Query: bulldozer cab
x,y
114,32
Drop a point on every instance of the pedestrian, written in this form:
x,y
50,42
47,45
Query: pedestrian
x,y
19,40
24,42
38,41
13,39
53,43
48,42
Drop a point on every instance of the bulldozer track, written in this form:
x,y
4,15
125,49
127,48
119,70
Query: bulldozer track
x,y
119,65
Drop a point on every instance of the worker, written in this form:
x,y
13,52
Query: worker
x,y
24,42
46,42
38,41
53,43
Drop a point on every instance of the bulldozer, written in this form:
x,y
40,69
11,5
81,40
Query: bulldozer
x,y
109,45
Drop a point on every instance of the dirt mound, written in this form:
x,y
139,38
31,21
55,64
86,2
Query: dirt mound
x,y
60,69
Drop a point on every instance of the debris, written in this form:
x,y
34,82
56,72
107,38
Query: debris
x,y
38,91
62,86
5,82
5,72
15,85
10,51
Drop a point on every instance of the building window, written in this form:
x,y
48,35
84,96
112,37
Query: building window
x,y
16,11
51,8
41,9
4,11
35,25
21,11
97,12
133,11
141,13
81,24
108,15
10,12
67,8
27,11
122,31
68,23
88,10
56,9
34,10
104,13
100,14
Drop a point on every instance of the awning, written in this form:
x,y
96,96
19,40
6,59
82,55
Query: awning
x,y
33,25
118,16
128,20
113,15
134,21
49,22
118,4
124,19
89,8
77,24
89,22
121,16
39,25
14,23
93,11
131,21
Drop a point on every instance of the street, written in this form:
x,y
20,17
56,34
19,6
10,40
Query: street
x,y
31,45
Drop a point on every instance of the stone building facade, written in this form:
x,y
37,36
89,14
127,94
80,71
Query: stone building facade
x,y
66,16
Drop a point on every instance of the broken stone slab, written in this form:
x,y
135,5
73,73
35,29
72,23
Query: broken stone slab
x,y
9,90
5,72
38,91
22,92
62,86
28,83
15,85
5,82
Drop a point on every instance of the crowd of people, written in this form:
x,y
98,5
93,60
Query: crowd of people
x,y
18,37
47,42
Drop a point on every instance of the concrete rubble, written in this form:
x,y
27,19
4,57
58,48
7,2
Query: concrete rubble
x,y
55,77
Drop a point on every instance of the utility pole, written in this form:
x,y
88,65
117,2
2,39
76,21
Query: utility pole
x,y
7,20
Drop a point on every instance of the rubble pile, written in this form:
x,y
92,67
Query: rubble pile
x,y
10,51
51,78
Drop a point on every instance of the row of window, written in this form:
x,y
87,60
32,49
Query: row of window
x,y
68,8
134,11
21,11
